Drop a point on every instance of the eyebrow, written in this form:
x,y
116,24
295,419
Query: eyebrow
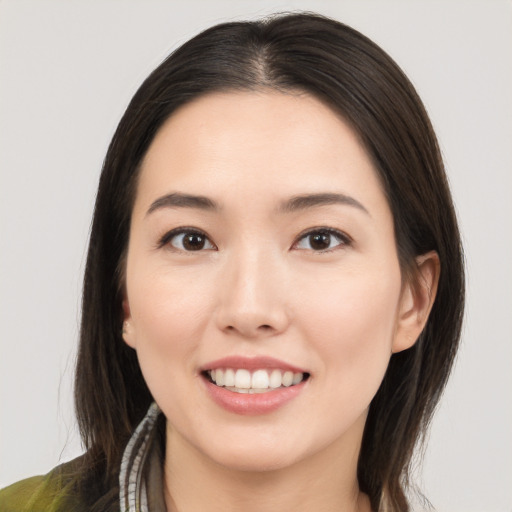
x,y
303,202
179,200
294,204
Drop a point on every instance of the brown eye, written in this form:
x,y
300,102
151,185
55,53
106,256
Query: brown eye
x,y
322,240
193,242
188,241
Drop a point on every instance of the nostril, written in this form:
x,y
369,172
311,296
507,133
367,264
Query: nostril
x,y
250,329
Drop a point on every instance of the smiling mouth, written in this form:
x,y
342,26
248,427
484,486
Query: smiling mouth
x,y
252,382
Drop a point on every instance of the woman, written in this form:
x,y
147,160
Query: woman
x,y
274,286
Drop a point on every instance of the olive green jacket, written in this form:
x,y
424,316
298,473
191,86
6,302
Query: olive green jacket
x,y
140,486
49,493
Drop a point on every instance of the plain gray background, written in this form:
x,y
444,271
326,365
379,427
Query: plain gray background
x,y
68,70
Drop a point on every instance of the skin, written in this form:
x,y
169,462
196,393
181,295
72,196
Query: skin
x,y
258,287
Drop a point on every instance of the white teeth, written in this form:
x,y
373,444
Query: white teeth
x,y
219,377
275,379
287,379
229,377
242,379
297,377
260,381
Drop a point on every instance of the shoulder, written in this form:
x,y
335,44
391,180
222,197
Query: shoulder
x,y
54,492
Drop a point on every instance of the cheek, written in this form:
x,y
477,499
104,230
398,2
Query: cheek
x,y
167,304
168,314
352,323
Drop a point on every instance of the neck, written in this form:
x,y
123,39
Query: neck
x,y
325,481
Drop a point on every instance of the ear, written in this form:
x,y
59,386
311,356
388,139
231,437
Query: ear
x,y
128,331
416,301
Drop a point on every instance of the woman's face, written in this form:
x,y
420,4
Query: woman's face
x,y
262,254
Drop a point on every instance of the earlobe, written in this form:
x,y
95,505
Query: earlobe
x,y
417,300
127,333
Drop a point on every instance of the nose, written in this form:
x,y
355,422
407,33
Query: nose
x,y
253,301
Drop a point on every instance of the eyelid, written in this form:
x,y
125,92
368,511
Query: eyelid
x,y
169,235
345,239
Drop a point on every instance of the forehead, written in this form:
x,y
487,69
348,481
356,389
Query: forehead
x,y
269,142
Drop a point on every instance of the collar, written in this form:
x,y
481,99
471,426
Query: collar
x,y
141,477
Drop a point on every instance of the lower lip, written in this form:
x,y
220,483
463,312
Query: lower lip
x,y
252,404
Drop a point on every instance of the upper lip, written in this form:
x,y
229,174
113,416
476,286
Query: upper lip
x,y
251,363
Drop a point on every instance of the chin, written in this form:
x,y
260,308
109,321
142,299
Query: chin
x,y
257,452
253,461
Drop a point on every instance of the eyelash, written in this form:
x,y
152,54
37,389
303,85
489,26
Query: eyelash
x,y
343,239
167,238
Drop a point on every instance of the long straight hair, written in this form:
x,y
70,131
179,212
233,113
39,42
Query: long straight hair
x,y
357,79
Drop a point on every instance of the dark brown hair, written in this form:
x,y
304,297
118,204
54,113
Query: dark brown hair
x,y
357,79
